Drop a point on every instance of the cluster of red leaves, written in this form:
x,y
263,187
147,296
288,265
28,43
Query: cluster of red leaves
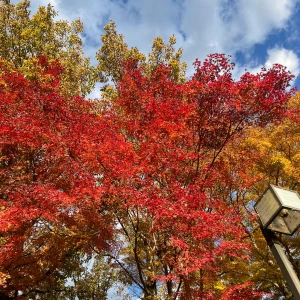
x,y
157,147
242,291
53,153
178,131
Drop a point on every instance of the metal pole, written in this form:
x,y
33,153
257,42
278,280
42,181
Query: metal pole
x,y
283,262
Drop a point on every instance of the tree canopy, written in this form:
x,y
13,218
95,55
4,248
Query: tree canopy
x,y
150,188
25,37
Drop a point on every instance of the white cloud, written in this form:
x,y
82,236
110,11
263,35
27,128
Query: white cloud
x,y
257,18
203,27
287,58
231,25
210,26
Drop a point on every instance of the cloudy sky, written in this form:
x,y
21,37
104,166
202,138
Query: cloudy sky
x,y
254,32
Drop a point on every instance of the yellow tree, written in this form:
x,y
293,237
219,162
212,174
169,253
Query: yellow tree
x,y
24,38
114,51
273,157
279,163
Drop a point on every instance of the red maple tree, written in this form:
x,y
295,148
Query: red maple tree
x,y
70,171
178,132
53,152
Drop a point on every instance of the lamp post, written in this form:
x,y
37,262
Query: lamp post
x,y
279,211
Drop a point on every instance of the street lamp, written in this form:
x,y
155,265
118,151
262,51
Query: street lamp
x,y
279,210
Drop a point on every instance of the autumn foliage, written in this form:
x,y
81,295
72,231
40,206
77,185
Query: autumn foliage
x,y
146,175
178,131
52,150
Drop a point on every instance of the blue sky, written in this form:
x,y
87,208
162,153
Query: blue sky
x,y
255,32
